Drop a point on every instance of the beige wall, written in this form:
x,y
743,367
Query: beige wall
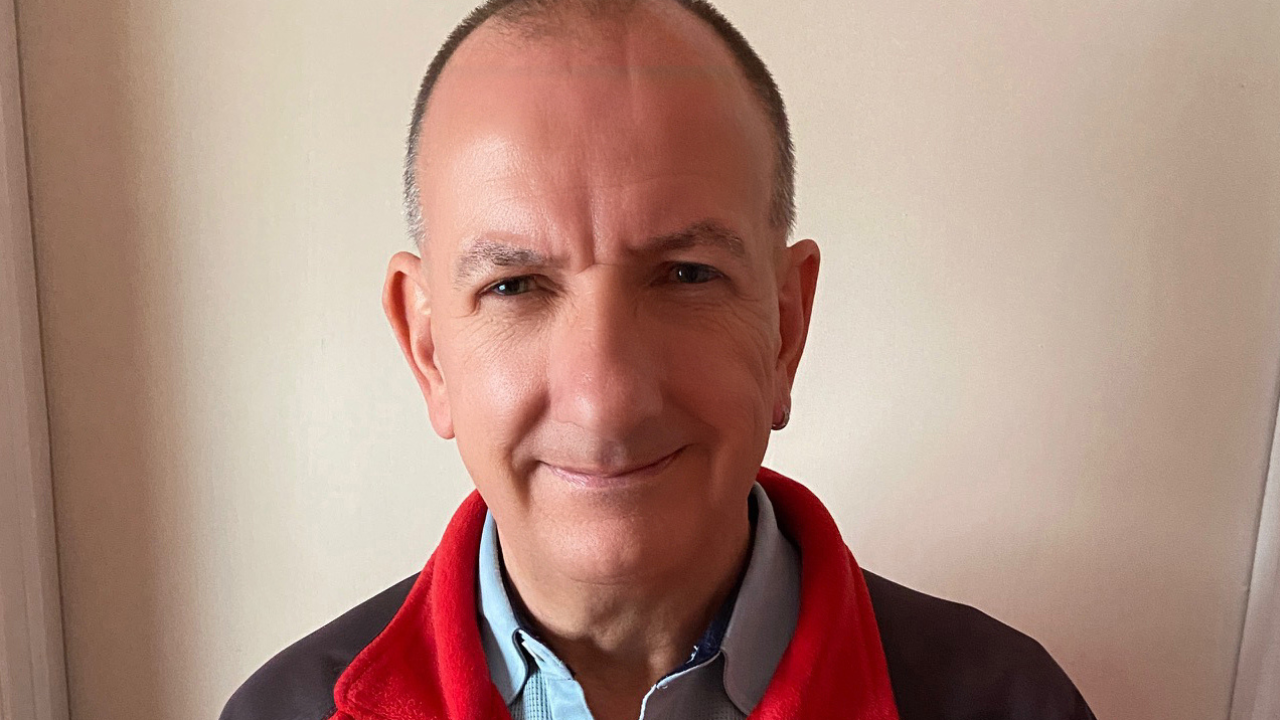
x,y
1041,381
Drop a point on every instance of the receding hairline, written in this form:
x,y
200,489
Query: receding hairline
x,y
540,19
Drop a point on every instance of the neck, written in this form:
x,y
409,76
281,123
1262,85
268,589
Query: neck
x,y
620,638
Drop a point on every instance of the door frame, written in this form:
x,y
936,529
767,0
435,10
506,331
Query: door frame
x,y
1256,691
32,657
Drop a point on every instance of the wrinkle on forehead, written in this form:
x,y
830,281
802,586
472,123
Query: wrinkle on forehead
x,y
627,79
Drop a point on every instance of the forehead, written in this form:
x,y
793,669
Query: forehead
x,y
636,126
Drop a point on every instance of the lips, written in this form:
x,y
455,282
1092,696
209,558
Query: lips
x,y
604,479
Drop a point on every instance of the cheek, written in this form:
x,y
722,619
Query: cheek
x,y
716,364
494,383
722,363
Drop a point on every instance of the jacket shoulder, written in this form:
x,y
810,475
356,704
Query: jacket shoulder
x,y
297,684
949,661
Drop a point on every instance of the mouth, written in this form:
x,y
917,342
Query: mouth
x,y
602,480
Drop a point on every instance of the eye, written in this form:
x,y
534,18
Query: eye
x,y
692,273
511,286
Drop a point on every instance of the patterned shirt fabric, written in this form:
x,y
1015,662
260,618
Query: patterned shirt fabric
x,y
727,670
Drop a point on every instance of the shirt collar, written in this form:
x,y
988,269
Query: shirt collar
x,y
765,614
499,628
751,630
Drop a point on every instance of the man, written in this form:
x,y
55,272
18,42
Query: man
x,y
607,318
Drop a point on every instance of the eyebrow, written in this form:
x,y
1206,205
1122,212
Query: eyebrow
x,y
484,252
704,233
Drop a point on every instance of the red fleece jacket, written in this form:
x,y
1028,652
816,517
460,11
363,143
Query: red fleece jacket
x,y
428,664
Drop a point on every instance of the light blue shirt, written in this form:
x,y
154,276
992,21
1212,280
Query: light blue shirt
x,y
719,683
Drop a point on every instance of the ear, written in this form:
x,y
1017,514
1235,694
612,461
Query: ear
x,y
406,299
797,282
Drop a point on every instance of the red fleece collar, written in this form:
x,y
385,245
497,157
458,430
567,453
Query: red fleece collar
x,y
428,664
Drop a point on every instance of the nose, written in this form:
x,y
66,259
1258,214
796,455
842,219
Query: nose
x,y
605,376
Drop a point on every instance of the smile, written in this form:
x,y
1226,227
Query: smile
x,y
592,479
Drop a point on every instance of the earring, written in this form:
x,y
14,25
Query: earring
x,y
786,416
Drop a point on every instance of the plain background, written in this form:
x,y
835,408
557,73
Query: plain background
x,y
1041,377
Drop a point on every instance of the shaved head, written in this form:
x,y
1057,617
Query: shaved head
x,y
569,20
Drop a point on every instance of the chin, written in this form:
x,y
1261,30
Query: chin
x,y
607,551
610,539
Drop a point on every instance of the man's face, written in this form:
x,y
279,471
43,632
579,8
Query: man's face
x,y
604,317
